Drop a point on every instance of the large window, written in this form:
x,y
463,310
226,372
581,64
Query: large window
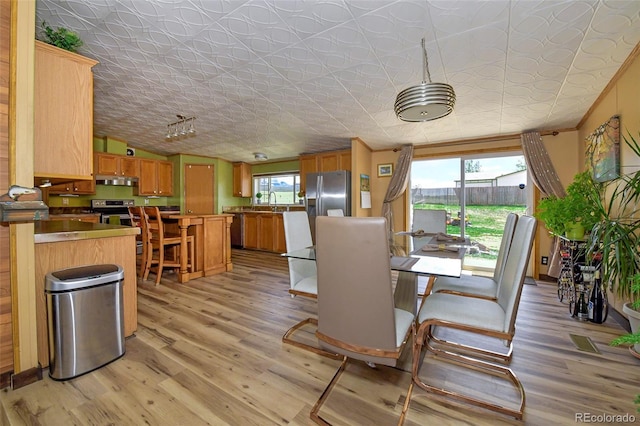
x,y
480,189
276,189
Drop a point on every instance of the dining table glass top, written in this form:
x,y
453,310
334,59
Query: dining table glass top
x,y
425,254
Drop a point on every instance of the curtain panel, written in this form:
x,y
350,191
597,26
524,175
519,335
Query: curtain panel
x,y
397,185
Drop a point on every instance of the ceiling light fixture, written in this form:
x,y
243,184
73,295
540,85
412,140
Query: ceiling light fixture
x,y
260,156
182,128
427,101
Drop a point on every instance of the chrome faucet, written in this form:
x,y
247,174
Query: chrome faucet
x,y
275,200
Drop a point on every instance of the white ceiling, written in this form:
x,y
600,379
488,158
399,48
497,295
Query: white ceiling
x,y
285,77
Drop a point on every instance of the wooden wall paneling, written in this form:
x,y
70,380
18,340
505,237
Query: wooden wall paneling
x,y
6,335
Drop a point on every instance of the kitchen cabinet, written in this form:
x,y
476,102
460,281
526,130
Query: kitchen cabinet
x,y
264,231
250,231
156,178
335,160
329,161
279,243
308,164
78,187
60,245
115,165
63,114
242,180
91,218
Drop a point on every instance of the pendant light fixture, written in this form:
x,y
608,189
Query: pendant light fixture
x,y
427,101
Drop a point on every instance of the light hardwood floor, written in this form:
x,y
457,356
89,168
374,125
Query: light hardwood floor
x,y
209,352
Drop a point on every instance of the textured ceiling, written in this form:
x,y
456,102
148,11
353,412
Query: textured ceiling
x,y
285,77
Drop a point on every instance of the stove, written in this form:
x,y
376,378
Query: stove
x,y
112,209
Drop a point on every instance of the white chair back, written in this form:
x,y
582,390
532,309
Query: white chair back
x,y
335,212
297,235
505,244
430,221
356,313
510,286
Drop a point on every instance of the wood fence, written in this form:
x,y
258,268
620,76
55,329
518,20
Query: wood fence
x,y
477,196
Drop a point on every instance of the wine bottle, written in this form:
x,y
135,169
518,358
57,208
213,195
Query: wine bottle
x,y
597,299
583,309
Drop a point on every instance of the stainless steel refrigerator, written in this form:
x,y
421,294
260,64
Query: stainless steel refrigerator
x,y
328,190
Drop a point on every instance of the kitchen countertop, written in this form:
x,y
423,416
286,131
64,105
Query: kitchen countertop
x,y
57,231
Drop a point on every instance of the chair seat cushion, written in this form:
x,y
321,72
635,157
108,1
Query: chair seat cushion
x,y
481,286
307,285
480,313
404,320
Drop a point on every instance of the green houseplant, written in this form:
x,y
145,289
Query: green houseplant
x,y
615,234
574,214
259,197
62,38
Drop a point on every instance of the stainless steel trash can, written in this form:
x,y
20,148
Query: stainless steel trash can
x,y
85,319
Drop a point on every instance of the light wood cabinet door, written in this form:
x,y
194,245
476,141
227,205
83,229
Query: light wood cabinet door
x,y
250,231
265,232
344,160
328,162
279,243
63,114
199,190
242,180
115,165
156,178
164,178
129,166
147,181
308,164
76,187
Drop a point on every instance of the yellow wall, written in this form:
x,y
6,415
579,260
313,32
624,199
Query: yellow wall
x,y
622,99
360,165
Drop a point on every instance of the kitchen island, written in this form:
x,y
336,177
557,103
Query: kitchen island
x,y
212,240
64,244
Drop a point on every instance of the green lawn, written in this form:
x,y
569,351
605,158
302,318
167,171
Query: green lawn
x,y
485,225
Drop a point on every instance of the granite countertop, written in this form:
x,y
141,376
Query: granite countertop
x,y
57,231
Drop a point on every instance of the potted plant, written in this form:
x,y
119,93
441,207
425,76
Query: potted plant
x,y
573,214
259,197
62,38
616,234
301,197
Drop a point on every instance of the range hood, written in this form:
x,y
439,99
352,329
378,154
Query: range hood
x,y
115,180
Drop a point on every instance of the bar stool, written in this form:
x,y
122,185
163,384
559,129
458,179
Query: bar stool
x,y
159,242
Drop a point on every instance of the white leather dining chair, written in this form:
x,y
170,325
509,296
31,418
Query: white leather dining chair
x,y
302,273
478,286
429,221
335,212
357,317
492,318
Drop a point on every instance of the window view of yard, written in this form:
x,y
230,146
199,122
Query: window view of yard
x,y
493,188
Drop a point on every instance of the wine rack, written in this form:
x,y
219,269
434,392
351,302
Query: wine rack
x,y
576,278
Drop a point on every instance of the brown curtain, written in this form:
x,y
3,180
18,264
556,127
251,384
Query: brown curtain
x,y
546,179
397,185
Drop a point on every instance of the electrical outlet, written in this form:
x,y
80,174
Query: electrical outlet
x,y
65,201
146,201
544,260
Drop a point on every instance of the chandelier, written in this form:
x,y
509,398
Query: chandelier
x,y
426,101
182,128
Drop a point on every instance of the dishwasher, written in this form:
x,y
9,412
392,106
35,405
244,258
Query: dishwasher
x,y
85,319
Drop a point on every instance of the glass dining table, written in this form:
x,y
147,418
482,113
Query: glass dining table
x,y
412,256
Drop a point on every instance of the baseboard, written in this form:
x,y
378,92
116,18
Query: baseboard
x,y
5,380
26,377
547,278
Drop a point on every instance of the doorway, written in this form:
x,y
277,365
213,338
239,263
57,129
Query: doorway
x,y
478,192
199,194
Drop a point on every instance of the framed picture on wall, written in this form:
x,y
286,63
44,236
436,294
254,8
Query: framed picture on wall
x,y
603,151
385,170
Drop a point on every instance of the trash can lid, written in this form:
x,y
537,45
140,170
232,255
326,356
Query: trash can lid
x,y
82,276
